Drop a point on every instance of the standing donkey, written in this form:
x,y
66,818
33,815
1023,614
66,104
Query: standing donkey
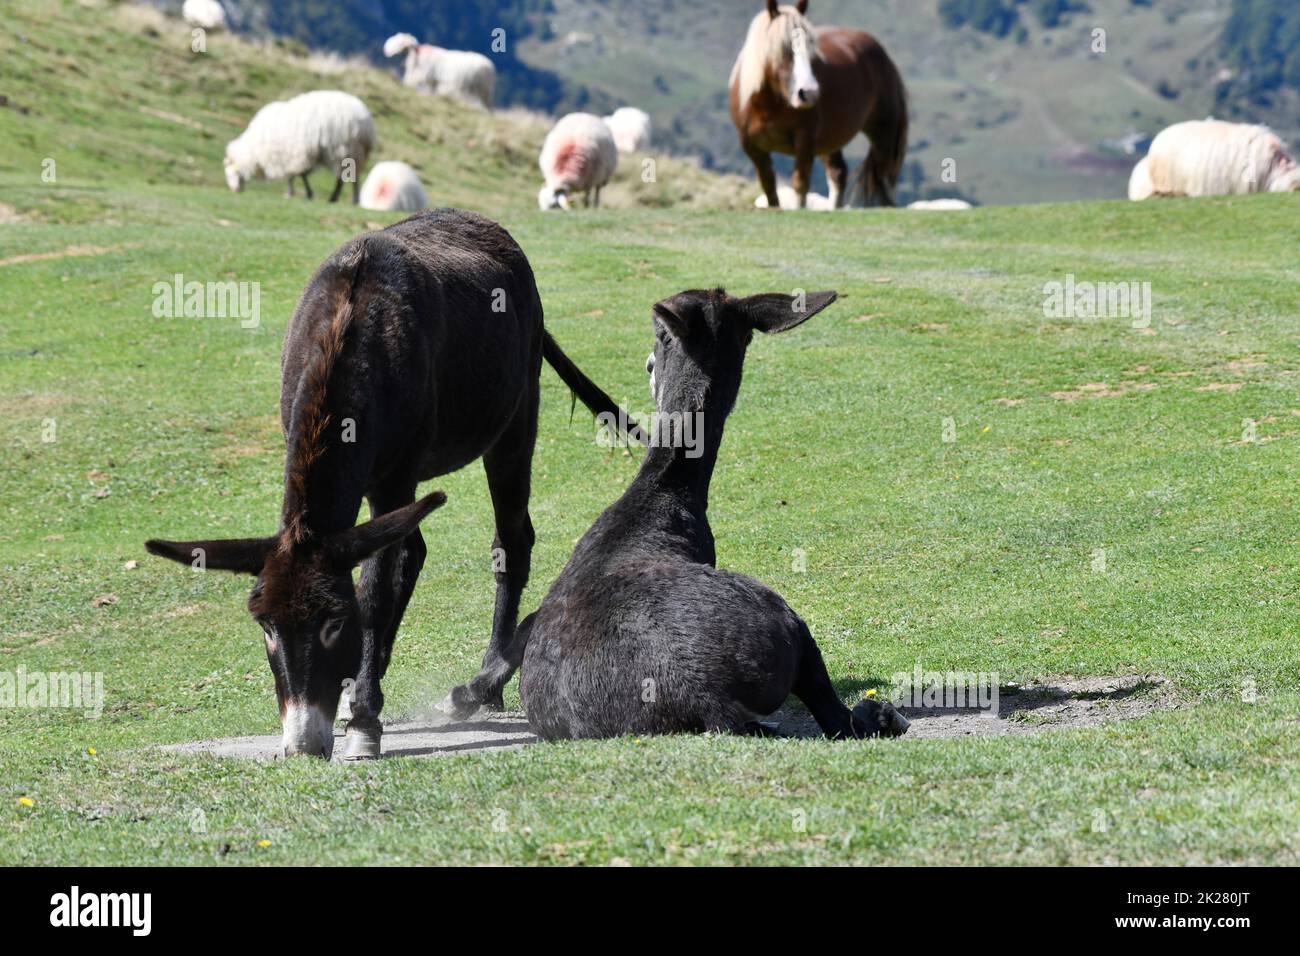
x,y
641,633
807,92
412,352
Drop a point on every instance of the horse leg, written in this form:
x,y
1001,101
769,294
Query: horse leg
x,y
338,187
766,174
508,465
801,178
813,686
837,175
387,580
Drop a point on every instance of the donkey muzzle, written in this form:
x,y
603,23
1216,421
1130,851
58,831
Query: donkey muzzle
x,y
307,730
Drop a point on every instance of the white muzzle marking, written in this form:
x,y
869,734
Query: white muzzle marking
x,y
307,730
804,88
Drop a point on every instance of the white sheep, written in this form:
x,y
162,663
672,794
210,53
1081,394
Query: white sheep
x,y
631,129
461,74
579,155
1140,185
939,205
789,199
292,137
393,187
207,14
1216,158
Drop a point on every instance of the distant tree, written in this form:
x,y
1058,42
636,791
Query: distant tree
x,y
1261,38
1052,13
997,17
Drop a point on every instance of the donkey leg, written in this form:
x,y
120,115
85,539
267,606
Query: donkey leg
x,y
509,473
837,176
766,174
813,686
387,581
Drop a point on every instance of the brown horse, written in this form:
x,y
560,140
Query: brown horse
x,y
791,95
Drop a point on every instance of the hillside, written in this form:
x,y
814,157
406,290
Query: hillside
x,y
1026,119
112,92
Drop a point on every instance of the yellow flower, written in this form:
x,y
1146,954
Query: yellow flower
x,y
871,692
263,843
26,801
92,751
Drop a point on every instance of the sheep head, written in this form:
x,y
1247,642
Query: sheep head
x,y
239,169
398,43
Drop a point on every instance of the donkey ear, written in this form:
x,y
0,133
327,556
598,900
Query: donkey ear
x,y
241,555
673,313
356,544
773,312
802,6
772,9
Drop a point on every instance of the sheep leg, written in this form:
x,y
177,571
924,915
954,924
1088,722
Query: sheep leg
x,y
338,188
597,202
289,194
307,186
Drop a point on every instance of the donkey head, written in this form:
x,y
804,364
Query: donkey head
x,y
792,48
701,338
306,604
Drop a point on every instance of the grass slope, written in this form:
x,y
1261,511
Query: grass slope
x,y
1022,121
114,92
976,554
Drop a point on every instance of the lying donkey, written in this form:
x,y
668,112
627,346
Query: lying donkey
x,y
413,351
641,633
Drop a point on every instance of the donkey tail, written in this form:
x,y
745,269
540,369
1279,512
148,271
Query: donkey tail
x,y
587,391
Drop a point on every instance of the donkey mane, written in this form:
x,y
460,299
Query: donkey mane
x,y
766,43
313,417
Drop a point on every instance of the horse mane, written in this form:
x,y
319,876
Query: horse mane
x,y
313,418
764,44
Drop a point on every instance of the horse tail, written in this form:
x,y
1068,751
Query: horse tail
x,y
878,175
587,391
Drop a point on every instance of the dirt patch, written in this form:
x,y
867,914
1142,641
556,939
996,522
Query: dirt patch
x,y
1050,703
8,214
403,738
1102,390
172,118
61,254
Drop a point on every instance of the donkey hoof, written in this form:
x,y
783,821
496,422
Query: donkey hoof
x,y
460,704
872,718
362,743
